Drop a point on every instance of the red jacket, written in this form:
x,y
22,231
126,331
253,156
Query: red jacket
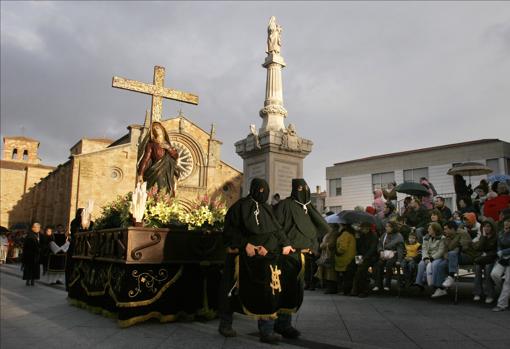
x,y
493,207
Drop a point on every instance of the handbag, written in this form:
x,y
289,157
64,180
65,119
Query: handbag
x,y
326,260
388,254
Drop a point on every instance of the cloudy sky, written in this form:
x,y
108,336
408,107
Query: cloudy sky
x,y
362,78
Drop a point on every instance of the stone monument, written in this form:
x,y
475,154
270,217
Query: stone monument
x,y
276,151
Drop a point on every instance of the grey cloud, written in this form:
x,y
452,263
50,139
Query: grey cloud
x,y
362,78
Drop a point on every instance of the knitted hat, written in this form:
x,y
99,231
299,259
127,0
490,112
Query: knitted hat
x,y
470,217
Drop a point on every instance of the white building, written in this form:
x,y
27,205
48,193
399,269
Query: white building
x,y
351,183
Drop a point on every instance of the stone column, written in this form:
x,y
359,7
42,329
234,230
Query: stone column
x,y
273,113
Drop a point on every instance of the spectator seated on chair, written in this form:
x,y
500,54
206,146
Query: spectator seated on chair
x,y
459,251
486,249
432,255
391,253
502,267
412,258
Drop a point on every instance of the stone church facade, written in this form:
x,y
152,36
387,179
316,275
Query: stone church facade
x,y
101,170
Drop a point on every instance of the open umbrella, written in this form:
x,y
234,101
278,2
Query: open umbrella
x,y
499,178
3,229
412,188
469,169
352,216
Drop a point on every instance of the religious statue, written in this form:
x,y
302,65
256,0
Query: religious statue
x,y
252,141
274,32
290,139
158,161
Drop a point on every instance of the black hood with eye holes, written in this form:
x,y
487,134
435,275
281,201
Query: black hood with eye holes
x,y
302,196
255,190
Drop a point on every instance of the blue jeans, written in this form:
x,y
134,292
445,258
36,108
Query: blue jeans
x,y
438,276
408,268
455,259
440,272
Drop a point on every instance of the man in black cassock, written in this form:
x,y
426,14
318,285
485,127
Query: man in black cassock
x,y
31,255
251,276
301,224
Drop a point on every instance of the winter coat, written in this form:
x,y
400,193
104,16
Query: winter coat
x,y
486,248
345,250
393,242
417,218
378,203
30,258
366,246
434,248
504,244
412,251
493,207
460,241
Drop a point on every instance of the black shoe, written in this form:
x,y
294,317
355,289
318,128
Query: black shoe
x,y
419,286
27,283
31,282
290,332
270,338
227,331
58,282
363,295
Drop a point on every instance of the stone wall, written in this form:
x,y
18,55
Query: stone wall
x,y
105,173
17,180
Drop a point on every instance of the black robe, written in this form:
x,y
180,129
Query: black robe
x,y
31,257
253,284
44,246
301,222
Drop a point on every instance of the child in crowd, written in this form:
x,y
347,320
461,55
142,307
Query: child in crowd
x,y
412,257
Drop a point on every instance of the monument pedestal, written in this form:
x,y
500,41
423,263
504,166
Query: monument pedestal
x,y
278,158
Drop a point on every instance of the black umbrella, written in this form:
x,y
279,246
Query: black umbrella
x,y
3,229
352,216
412,188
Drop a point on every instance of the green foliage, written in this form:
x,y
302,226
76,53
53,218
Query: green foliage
x,y
115,214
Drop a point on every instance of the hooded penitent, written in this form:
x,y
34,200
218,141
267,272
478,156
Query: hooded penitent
x,y
300,219
251,220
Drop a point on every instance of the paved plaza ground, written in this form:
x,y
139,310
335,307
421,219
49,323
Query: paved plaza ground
x,y
39,317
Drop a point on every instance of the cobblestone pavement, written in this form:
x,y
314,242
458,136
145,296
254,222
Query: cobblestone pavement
x,y
39,317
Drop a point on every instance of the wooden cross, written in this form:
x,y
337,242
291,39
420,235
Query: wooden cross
x,y
157,90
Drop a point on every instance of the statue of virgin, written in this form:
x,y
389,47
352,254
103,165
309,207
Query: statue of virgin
x,y
158,161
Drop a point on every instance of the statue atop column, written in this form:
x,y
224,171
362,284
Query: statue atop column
x,y
274,41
